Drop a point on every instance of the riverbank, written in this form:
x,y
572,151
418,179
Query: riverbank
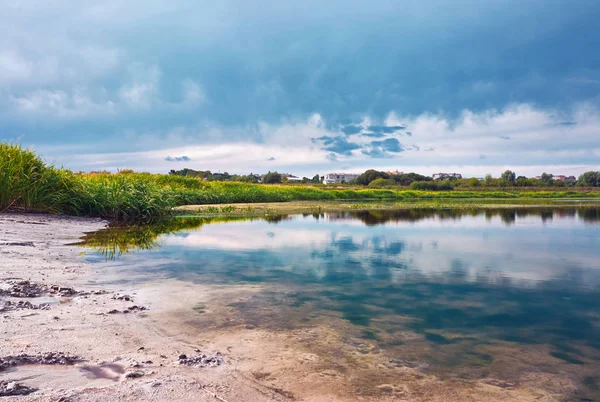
x,y
311,207
28,184
84,336
122,332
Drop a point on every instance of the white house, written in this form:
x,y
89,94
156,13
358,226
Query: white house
x,y
443,176
291,177
333,178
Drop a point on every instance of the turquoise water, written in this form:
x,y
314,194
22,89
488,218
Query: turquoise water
x,y
467,287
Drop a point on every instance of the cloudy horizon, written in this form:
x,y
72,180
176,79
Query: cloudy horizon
x,y
304,88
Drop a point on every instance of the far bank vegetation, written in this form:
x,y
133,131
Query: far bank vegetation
x,y
28,183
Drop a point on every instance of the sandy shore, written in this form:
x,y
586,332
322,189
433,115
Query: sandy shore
x,y
32,248
128,333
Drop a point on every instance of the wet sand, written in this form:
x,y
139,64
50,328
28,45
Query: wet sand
x,y
135,355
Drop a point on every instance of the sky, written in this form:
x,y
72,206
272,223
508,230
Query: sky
x,y
308,87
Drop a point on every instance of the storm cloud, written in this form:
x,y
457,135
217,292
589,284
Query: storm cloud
x,y
382,149
233,84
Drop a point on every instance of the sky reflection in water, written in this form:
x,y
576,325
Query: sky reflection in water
x,y
478,278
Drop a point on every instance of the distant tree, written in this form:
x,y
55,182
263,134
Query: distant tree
x,y
489,180
509,177
473,182
316,179
443,185
406,179
206,174
523,181
305,180
272,178
379,183
246,179
589,179
546,179
370,175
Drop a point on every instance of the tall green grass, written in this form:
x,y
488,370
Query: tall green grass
x,y
27,183
118,197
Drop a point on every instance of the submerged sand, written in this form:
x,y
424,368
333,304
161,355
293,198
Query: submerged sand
x,y
135,355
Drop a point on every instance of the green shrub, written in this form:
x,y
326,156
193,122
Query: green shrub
x,y
432,185
380,183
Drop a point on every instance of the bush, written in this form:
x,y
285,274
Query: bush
x,y
272,178
370,175
406,179
380,183
432,185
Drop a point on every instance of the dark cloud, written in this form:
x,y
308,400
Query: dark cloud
x,y
338,145
382,149
361,69
482,156
331,157
375,153
389,144
386,129
345,122
563,124
178,158
326,139
408,133
272,158
374,135
351,129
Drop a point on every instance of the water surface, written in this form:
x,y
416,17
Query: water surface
x,y
465,294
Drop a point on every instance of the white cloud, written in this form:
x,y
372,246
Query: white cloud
x,y
142,93
316,120
192,93
538,143
426,246
61,104
14,68
392,119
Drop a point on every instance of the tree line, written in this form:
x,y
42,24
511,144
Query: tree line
x,y
268,178
589,179
379,179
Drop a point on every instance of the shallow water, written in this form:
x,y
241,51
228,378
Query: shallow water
x,y
460,294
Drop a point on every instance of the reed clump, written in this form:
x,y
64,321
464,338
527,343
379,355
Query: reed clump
x,y
29,184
